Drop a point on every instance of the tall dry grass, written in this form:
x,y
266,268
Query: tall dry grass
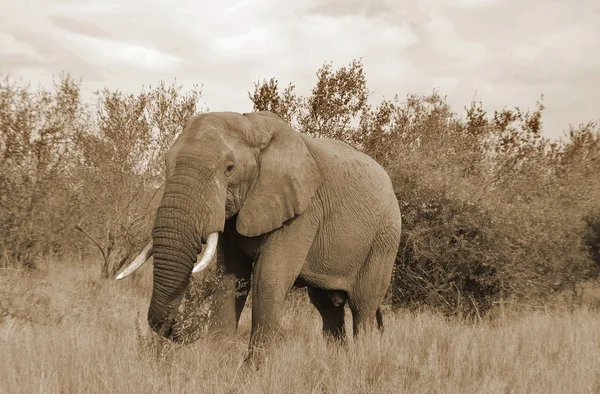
x,y
62,331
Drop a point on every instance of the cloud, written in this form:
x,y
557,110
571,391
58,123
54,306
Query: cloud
x,y
21,60
53,52
504,52
338,8
470,3
249,42
78,26
106,51
117,54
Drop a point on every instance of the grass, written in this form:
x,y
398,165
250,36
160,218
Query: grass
x,y
63,331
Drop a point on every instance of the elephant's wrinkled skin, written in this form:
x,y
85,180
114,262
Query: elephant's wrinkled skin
x,y
288,208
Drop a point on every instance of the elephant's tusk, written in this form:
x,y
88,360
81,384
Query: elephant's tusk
x,y
144,256
207,254
204,258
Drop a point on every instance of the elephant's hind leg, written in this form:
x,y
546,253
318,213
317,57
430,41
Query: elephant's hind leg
x,y
373,280
330,305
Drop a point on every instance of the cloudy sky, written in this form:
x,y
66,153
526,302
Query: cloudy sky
x,y
503,52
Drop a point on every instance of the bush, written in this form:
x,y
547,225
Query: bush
x,y
591,238
445,260
36,130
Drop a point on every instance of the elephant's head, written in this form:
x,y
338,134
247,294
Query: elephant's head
x,y
224,164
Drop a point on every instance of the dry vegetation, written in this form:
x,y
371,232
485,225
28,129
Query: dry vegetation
x,y
496,280
63,330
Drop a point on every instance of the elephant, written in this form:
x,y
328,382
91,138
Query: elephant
x,y
273,208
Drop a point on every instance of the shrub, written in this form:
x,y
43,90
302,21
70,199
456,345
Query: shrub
x,y
591,238
445,260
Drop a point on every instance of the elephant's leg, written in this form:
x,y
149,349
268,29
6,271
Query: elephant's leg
x,y
234,285
369,291
366,313
331,310
281,259
270,283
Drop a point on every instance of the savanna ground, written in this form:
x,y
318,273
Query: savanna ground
x,y
64,331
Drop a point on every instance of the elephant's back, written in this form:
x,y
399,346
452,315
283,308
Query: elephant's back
x,y
338,160
354,181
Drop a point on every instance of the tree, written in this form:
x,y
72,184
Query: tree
x,y
333,109
36,138
121,166
336,103
267,97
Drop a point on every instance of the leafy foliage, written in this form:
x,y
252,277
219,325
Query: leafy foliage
x,y
266,97
591,237
493,211
64,167
36,131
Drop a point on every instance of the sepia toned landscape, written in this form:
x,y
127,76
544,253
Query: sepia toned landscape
x,y
495,282
317,197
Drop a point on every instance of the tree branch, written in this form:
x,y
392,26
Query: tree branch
x,y
77,227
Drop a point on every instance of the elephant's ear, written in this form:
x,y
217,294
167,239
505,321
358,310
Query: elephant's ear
x,y
287,180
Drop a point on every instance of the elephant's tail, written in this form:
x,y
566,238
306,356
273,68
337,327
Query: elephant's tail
x,y
379,317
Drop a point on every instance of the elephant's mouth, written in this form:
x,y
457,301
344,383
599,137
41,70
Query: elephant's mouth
x,y
231,206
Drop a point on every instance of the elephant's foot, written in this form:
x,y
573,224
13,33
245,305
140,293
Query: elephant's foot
x,y
335,336
255,356
253,359
261,343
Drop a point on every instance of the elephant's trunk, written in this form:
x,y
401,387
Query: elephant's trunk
x,y
174,255
182,224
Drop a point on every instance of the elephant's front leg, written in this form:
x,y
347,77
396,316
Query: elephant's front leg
x,y
281,259
233,287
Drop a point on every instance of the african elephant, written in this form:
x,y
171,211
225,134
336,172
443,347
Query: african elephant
x,y
277,206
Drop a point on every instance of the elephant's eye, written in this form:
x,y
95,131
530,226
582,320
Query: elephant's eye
x,y
229,169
